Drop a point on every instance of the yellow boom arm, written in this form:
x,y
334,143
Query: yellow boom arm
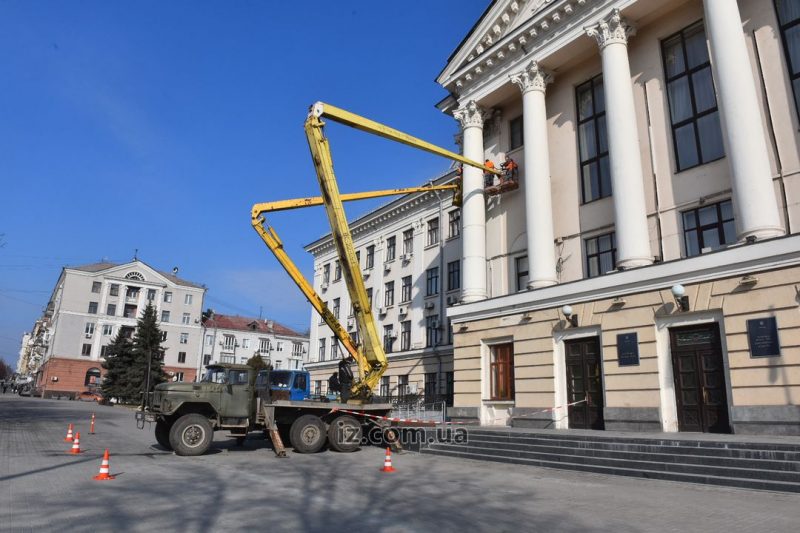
x,y
370,355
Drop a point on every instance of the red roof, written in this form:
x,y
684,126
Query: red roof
x,y
243,323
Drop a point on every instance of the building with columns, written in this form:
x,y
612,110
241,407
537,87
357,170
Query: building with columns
x,y
644,275
409,251
92,303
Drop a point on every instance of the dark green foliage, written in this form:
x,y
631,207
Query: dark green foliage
x,y
257,363
127,360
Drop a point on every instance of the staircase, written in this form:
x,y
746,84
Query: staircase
x,y
733,461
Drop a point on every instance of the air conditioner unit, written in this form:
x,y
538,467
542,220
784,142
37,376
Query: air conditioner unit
x,y
452,300
88,335
406,257
324,286
403,310
381,310
435,323
367,272
387,267
350,322
430,305
393,334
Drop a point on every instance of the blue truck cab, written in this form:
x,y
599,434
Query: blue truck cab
x,y
286,384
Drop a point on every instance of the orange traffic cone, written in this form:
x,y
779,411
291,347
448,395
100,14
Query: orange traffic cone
x,y
76,444
68,438
91,428
387,462
103,475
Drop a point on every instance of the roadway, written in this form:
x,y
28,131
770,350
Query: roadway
x,y
43,488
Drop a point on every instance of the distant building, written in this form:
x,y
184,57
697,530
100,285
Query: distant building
x,y
91,304
235,339
409,251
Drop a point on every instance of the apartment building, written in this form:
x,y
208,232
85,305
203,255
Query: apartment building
x,y
235,339
409,251
644,274
92,303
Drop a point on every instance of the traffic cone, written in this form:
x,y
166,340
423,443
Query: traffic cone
x,y
104,468
68,438
76,444
387,462
91,428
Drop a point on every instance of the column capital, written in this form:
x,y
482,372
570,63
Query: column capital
x,y
613,29
471,115
531,78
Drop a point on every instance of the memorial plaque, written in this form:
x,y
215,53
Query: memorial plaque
x,y
762,336
627,349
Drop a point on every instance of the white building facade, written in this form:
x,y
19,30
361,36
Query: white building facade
x,y
410,254
235,339
642,277
91,304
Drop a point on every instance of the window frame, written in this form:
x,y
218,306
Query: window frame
x,y
783,28
588,256
408,241
454,275
454,224
501,372
700,229
405,335
391,248
388,294
511,125
522,275
432,231
405,289
432,281
594,117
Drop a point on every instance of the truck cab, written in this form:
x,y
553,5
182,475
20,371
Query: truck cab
x,y
292,385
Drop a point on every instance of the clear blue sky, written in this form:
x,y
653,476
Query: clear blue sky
x,y
156,125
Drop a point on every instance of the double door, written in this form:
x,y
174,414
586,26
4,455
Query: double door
x,y
584,382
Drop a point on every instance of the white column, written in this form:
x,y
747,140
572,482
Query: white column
x,y
473,210
627,181
532,81
757,212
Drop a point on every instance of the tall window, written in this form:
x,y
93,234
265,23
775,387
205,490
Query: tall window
x,y
370,256
593,140
696,133
432,281
430,386
111,310
96,286
164,316
501,370
184,338
209,340
167,297
86,350
334,348
92,308
391,248
113,289
187,299
449,388
789,20
402,385
388,294
521,268
405,335
108,330
263,345
336,305
431,330
229,342
433,231
326,273
246,344
89,329
151,295
322,349
369,297
388,340
408,241
405,294
337,271
601,255
454,224
708,228
181,357
516,137
186,318
453,275
384,387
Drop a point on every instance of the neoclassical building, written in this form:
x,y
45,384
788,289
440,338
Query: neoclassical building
x,y
92,303
645,274
409,251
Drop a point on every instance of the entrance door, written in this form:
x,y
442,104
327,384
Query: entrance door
x,y
584,382
699,379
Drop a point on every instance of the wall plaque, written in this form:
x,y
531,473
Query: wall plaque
x,y
762,336
627,349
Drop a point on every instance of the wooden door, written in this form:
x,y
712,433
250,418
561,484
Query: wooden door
x,y
700,388
584,382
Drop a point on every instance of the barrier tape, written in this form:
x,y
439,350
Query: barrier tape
x,y
433,423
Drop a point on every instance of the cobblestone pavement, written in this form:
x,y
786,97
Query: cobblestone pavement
x,y
43,488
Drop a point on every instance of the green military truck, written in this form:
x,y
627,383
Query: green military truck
x,y
238,399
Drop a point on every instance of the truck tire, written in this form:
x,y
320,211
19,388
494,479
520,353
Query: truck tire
x,y
308,434
191,435
344,434
162,434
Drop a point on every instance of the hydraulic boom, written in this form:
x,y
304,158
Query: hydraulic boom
x,y
369,354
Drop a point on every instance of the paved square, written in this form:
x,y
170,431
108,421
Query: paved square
x,y
43,488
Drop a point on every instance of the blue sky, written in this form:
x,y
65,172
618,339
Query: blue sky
x,y
156,125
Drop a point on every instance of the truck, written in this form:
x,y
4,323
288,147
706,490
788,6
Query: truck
x,y
239,399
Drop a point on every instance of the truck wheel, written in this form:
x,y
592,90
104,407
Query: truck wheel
x,y
191,435
162,434
308,434
344,434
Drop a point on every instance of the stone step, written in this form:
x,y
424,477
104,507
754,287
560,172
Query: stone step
x,y
757,484
644,447
678,442
754,459
644,463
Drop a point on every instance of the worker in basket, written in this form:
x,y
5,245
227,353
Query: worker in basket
x,y
510,168
488,177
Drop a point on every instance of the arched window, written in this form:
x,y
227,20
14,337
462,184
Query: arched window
x,y
92,377
134,275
